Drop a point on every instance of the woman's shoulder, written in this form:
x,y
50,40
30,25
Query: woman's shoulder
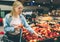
x,y
21,15
8,15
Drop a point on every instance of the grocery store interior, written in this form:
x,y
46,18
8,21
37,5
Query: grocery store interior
x,y
42,15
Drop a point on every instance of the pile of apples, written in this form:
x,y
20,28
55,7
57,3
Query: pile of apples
x,y
43,29
57,28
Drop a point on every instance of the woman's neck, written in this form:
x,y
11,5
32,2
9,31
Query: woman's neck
x,y
15,14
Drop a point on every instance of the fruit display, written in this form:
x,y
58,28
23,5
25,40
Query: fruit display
x,y
48,31
45,30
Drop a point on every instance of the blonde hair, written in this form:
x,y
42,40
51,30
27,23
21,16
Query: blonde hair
x,y
15,4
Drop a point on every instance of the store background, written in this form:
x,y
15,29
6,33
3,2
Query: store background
x,y
40,7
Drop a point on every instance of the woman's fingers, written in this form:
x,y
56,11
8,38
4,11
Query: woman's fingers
x,y
21,25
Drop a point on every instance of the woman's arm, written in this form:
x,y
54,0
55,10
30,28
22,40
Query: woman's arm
x,y
7,27
26,25
29,28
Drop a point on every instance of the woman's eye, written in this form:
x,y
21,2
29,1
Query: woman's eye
x,y
20,8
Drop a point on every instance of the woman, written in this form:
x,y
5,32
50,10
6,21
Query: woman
x,y
15,21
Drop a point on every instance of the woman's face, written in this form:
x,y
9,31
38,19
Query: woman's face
x,y
18,9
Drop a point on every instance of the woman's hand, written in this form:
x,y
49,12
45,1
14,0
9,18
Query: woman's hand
x,y
38,35
16,27
20,25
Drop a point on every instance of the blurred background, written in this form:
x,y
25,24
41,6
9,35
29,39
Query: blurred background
x,y
35,12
